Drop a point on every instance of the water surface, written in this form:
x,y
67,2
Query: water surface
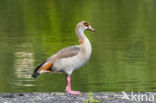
x,y
124,51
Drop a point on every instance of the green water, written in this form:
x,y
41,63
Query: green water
x,y
124,51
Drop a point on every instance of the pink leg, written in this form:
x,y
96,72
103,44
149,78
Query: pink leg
x,y
68,87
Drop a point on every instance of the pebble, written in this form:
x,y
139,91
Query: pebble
x,y
59,97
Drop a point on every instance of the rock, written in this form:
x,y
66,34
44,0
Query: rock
x,y
67,98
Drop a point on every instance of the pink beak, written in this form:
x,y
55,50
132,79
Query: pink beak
x,y
91,29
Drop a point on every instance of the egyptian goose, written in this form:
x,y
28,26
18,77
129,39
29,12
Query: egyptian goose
x,y
69,59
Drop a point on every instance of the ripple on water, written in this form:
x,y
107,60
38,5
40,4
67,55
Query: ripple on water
x,y
24,66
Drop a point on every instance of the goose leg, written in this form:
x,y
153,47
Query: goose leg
x,y
68,87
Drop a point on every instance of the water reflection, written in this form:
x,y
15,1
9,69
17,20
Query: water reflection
x,y
24,65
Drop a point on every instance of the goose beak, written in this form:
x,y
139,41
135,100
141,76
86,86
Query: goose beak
x,y
90,29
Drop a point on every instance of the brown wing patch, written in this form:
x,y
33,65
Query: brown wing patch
x,y
46,67
64,53
68,52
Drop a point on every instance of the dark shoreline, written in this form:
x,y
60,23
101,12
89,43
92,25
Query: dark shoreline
x,y
56,97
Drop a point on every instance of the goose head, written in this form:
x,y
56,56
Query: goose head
x,y
83,25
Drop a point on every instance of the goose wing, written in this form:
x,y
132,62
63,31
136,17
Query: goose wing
x,y
64,53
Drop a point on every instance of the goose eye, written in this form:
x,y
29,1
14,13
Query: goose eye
x,y
86,24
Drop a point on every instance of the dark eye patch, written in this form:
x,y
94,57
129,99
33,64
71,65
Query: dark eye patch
x,y
86,24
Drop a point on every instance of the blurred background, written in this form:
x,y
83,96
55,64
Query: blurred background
x,y
124,51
